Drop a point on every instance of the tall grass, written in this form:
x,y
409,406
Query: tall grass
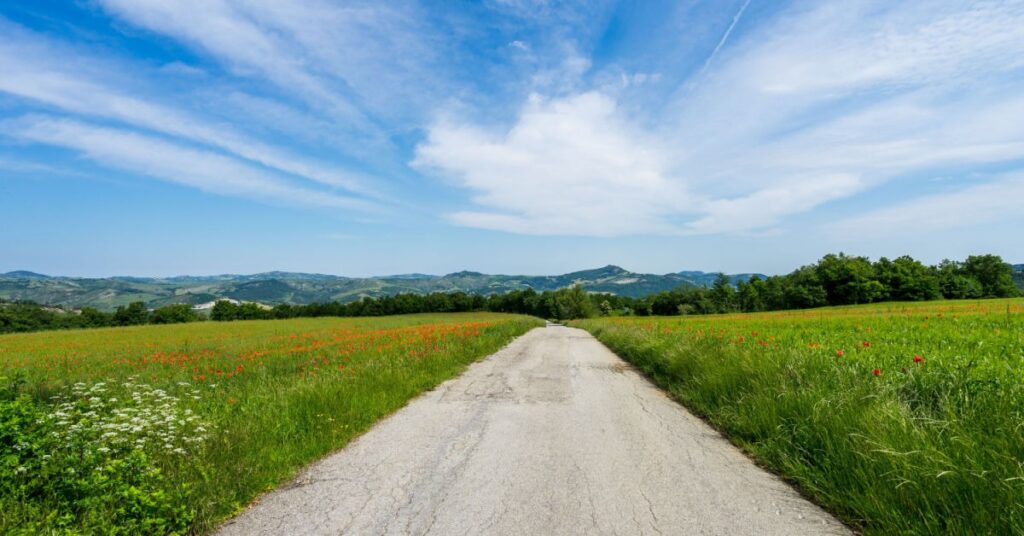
x,y
899,419
274,396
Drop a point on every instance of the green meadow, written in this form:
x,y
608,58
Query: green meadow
x,y
899,418
171,429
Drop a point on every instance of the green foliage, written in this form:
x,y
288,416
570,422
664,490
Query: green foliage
x,y
224,310
571,303
900,418
86,462
906,279
27,316
994,275
848,280
722,294
135,314
176,313
842,280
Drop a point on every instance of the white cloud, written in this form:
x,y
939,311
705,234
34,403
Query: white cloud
x,y
46,73
818,104
358,63
869,91
871,44
568,166
149,156
817,83
227,33
793,110
768,206
991,202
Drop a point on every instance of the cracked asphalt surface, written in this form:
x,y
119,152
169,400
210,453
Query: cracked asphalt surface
x,y
554,434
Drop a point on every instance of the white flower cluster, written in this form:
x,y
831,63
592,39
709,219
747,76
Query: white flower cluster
x,y
147,419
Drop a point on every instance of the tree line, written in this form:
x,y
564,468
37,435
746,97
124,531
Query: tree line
x,y
22,316
836,279
843,280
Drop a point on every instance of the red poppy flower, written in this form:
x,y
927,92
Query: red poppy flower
x,y
839,353
877,372
866,344
918,359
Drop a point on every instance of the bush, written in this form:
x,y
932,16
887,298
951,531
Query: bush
x,y
174,314
92,462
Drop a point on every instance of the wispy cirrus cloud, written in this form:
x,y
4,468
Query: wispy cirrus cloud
x,y
167,161
45,72
359,62
993,201
789,109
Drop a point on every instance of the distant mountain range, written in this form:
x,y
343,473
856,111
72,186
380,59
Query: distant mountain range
x,y
301,288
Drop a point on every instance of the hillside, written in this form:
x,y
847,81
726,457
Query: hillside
x,y
302,288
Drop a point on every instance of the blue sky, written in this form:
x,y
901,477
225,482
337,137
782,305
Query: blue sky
x,y
508,136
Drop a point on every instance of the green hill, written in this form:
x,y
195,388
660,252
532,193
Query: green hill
x,y
301,288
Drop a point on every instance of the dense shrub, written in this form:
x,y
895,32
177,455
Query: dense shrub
x,y
90,461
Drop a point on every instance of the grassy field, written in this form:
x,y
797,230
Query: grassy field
x,y
899,418
158,429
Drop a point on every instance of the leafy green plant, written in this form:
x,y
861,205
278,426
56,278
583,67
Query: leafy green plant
x,y
90,459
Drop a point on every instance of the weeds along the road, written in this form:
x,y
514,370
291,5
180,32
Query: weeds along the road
x,y
900,418
169,429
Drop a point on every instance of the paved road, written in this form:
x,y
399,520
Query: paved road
x,y
552,435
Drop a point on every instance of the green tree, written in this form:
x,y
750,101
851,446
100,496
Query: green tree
x,y
91,317
994,275
802,289
749,295
848,280
723,295
174,314
906,279
223,311
133,315
570,303
253,311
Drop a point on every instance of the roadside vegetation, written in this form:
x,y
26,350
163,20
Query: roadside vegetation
x,y
833,280
901,418
171,429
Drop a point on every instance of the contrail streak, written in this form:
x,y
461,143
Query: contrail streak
x,y
725,37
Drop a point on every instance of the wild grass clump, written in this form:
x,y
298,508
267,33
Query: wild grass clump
x,y
901,420
170,429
